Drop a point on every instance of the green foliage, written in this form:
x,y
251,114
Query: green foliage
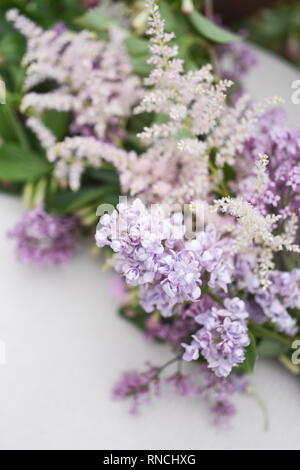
x,y
135,315
277,29
268,347
69,201
250,356
12,47
210,31
94,21
57,122
19,164
44,12
106,174
229,173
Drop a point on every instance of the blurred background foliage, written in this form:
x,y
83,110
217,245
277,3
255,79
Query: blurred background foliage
x,y
277,29
276,26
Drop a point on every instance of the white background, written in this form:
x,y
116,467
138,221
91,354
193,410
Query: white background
x,y
66,347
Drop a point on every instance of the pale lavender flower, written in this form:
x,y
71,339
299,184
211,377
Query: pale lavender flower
x,y
152,253
223,410
222,339
236,62
183,384
138,386
217,391
43,238
282,145
272,303
173,330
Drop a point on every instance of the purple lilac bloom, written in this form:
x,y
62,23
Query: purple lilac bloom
x,y
173,330
242,59
44,238
132,384
183,384
218,391
282,145
138,386
223,411
272,303
153,254
222,339
236,62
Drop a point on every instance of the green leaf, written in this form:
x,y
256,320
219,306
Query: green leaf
x,y
140,66
94,21
70,201
250,357
174,21
229,172
10,127
139,54
184,134
268,347
57,122
137,47
19,164
137,122
211,31
105,175
134,314
12,47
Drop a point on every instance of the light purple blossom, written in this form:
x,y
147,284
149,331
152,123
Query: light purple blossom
x,y
43,238
215,391
183,384
222,339
272,303
153,254
132,384
282,145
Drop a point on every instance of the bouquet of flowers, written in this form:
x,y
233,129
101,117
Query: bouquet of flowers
x,y
205,241
205,235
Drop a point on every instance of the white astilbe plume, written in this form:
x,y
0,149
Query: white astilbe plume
x,y
28,28
74,154
235,126
45,136
198,120
261,179
94,79
58,100
117,11
192,101
253,231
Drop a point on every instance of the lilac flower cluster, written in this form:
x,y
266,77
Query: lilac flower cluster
x,y
282,144
43,238
222,338
273,303
153,254
173,330
213,390
136,385
236,62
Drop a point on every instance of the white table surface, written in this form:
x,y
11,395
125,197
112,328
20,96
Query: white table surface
x,y
66,346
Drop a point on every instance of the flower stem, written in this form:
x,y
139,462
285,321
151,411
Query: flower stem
x,y
261,332
215,297
253,393
167,364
